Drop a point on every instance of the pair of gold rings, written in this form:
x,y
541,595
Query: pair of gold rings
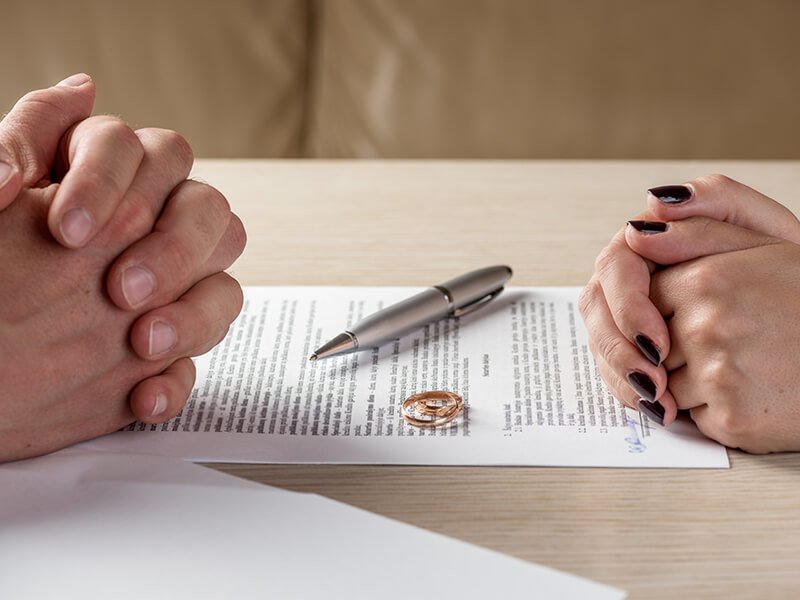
x,y
431,409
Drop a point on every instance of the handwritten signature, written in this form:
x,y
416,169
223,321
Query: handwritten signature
x,y
635,444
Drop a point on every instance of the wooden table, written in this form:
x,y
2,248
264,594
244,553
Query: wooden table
x,y
655,533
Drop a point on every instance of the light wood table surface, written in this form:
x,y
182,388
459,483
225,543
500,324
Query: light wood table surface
x,y
666,533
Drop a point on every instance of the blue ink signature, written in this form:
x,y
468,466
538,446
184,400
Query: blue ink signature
x,y
635,445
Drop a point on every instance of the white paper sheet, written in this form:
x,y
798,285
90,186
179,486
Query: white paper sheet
x,y
89,525
522,365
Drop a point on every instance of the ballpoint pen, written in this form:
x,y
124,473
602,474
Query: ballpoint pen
x,y
453,298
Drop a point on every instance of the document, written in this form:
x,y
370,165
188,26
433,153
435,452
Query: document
x,y
84,525
532,393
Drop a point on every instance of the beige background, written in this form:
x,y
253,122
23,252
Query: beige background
x,y
429,78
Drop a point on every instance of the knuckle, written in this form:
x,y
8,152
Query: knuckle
x,y
38,101
695,327
238,234
119,131
98,183
716,181
34,97
134,216
217,312
217,201
49,101
206,206
25,156
231,298
614,384
214,328
181,146
237,297
733,427
588,296
180,257
732,424
717,375
172,142
703,279
605,260
32,111
215,205
610,347
704,329
213,201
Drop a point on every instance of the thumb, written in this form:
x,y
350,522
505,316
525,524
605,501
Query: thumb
x,y
31,132
691,238
721,198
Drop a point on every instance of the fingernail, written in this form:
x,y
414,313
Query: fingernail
x,y
648,227
6,170
76,225
672,194
643,385
137,285
653,410
162,338
160,405
648,348
76,80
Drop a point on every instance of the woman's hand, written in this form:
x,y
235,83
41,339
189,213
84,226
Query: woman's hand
x,y
734,322
627,333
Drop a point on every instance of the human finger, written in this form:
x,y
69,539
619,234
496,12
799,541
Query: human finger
x,y
229,248
625,394
676,359
607,343
724,199
132,281
167,161
616,384
194,229
624,277
689,239
695,389
685,294
161,397
102,157
192,325
30,133
735,430
687,388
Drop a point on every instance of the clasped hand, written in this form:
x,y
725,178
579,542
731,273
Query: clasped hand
x,y
112,271
695,305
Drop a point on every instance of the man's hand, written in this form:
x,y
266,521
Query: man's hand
x,y
30,141
171,239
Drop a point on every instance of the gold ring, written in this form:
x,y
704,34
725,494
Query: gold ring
x,y
431,409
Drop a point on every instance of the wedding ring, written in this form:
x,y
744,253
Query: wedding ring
x,y
431,409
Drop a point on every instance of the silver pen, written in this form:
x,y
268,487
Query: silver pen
x,y
453,298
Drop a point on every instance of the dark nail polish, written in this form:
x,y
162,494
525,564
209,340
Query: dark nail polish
x,y
648,226
653,410
671,194
643,385
648,348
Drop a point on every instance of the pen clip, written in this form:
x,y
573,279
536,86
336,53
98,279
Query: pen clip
x,y
475,304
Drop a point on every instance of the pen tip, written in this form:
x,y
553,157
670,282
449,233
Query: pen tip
x,y
312,357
